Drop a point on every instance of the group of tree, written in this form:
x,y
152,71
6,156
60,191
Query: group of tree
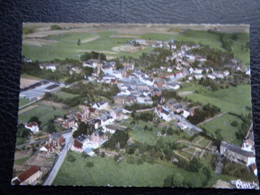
x,y
71,102
55,27
226,42
209,83
168,94
117,141
239,171
83,129
144,116
203,113
137,106
92,55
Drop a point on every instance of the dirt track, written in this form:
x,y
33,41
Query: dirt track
x,y
27,109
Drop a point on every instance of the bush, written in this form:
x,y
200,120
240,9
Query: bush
x,y
116,157
234,124
71,158
90,164
103,154
56,27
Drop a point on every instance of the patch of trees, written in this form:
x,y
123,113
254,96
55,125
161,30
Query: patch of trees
x,y
35,119
226,42
27,30
71,158
55,27
168,94
144,116
84,129
239,171
215,58
51,127
117,141
243,129
202,114
137,106
71,102
209,83
92,55
22,132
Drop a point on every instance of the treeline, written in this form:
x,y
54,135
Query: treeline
x,y
84,129
71,102
210,83
168,94
92,55
202,114
117,141
137,106
144,116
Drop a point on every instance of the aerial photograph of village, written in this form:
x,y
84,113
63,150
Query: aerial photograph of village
x,y
135,105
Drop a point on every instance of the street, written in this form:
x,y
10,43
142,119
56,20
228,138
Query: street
x,y
69,140
183,120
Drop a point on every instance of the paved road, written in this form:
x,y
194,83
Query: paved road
x,y
183,120
69,140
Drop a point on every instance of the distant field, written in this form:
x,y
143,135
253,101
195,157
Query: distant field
x,y
27,76
23,101
232,99
43,112
228,132
65,45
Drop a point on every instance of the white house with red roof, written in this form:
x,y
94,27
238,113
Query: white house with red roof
x,y
33,127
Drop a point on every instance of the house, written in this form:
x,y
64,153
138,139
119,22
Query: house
x,y
177,108
129,100
48,66
95,123
82,115
141,99
198,76
110,128
100,105
54,144
77,146
172,86
106,119
117,74
198,71
169,69
107,68
185,113
211,76
28,177
248,145
33,127
226,73
236,154
156,92
163,113
181,125
69,123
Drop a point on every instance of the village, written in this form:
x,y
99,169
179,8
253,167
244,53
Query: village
x,y
135,92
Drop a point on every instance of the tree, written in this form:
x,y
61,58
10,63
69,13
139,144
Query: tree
x,y
35,119
51,127
234,124
207,172
56,27
195,165
79,42
174,180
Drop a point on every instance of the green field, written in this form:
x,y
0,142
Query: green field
x,y
139,134
212,39
227,131
22,160
65,95
232,99
23,101
43,112
27,76
65,45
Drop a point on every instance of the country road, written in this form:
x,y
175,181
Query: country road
x,y
69,140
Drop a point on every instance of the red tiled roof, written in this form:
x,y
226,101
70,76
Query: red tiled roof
x,y
28,173
77,144
32,124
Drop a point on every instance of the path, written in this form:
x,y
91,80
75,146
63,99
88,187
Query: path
x,y
216,116
181,155
26,109
203,151
61,156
